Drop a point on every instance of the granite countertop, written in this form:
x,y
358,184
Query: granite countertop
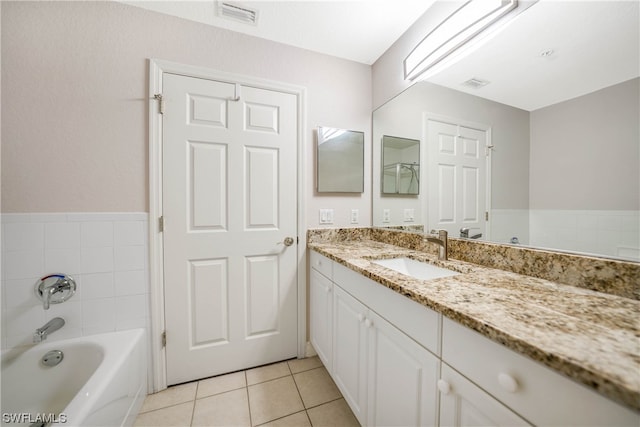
x,y
591,337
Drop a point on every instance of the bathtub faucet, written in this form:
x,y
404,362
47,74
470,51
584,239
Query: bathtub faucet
x,y
50,327
63,285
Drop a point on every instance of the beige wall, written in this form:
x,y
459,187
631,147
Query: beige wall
x,y
74,97
585,152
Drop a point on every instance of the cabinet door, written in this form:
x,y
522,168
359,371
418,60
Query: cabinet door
x,y
462,403
402,378
321,315
350,351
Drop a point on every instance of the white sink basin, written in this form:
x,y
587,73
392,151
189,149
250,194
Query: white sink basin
x,y
416,269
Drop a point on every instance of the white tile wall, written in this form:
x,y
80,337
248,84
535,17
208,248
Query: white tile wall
x,y
106,253
509,223
609,233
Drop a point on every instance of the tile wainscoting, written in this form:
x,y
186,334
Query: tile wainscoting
x,y
600,232
107,255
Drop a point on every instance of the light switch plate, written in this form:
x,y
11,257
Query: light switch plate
x,y
386,215
354,216
326,216
409,214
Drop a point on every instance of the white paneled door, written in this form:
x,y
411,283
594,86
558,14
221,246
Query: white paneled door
x,y
458,159
230,223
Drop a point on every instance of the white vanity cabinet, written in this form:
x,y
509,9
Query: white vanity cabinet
x,y
402,378
321,307
462,403
386,377
398,362
538,394
350,352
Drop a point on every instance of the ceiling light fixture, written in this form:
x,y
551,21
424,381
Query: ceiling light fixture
x,y
467,22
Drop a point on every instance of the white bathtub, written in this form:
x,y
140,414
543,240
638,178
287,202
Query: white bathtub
x,y
101,381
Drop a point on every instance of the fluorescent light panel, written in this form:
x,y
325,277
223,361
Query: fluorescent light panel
x,y
471,19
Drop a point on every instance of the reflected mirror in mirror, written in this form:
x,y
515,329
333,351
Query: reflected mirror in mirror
x,y
400,165
564,123
340,161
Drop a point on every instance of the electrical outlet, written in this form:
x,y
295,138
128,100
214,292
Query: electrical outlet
x,y
409,215
354,216
386,215
326,216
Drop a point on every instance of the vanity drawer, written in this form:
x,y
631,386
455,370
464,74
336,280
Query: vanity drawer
x,y
532,390
321,263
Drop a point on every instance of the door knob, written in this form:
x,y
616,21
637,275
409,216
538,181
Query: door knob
x,y
444,387
288,241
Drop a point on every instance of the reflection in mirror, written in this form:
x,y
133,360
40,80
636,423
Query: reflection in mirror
x,y
340,160
564,123
400,165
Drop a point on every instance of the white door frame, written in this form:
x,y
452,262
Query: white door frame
x,y
156,271
426,116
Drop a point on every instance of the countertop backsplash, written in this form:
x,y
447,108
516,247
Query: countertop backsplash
x,y
615,277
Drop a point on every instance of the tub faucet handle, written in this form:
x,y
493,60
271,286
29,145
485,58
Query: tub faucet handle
x,y
54,289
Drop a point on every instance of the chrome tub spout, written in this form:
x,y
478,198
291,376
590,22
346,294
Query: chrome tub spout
x,y
50,327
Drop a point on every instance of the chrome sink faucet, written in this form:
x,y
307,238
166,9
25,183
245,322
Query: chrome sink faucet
x,y
441,240
464,233
51,326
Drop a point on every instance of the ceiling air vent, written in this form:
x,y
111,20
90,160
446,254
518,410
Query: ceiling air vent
x,y
237,12
475,83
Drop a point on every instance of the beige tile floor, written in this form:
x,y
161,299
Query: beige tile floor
x,y
297,392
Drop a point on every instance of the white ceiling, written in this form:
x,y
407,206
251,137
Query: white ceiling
x,y
358,30
595,43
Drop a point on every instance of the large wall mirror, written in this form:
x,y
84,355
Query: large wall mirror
x,y
550,111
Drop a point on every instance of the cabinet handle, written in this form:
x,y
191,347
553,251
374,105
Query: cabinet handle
x,y
327,290
360,317
444,386
507,382
368,323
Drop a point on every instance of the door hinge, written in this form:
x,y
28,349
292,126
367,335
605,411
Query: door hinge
x,y
486,216
487,149
161,224
159,97
164,339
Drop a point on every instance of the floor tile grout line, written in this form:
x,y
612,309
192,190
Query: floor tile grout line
x,y
168,406
219,393
328,401
284,416
300,394
246,388
193,408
